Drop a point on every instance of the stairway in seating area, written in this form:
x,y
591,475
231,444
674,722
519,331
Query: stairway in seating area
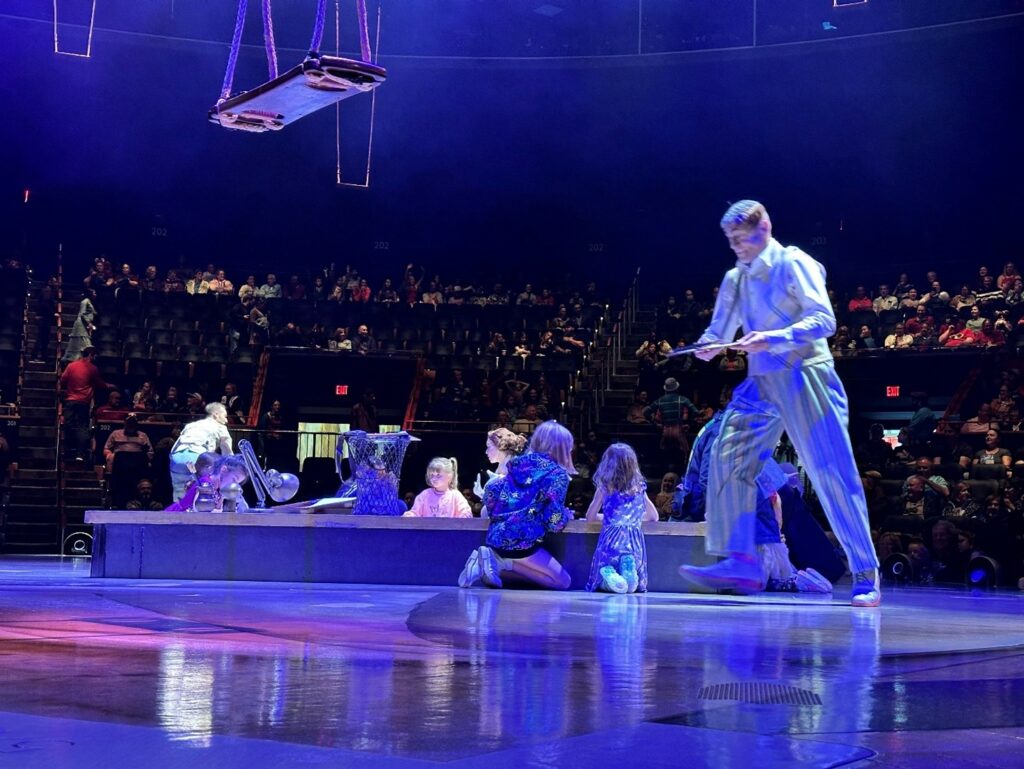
x,y
47,503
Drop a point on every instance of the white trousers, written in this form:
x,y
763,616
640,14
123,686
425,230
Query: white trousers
x,y
810,404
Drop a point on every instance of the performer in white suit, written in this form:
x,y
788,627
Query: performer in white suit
x,y
777,295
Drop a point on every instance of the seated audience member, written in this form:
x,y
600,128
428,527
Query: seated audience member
x,y
903,285
948,448
921,560
195,405
363,342
899,339
527,421
296,289
143,499
249,289
865,339
173,284
271,289
915,323
497,345
889,543
197,285
915,503
526,296
966,298
237,410
112,410
840,344
171,404
860,300
875,453
961,504
976,320
220,285
150,281
361,293
885,301
290,336
1015,294
319,291
128,439
927,337
664,498
146,398
965,544
956,334
1007,276
993,454
433,295
878,503
635,412
936,297
910,301
387,293
935,486
1004,408
989,335
948,563
339,291
339,340
982,423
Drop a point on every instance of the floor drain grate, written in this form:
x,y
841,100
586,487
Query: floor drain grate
x,y
760,694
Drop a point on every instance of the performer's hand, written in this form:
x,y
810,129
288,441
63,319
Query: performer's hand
x,y
478,487
755,341
707,354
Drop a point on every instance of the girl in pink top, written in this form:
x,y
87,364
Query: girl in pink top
x,y
442,499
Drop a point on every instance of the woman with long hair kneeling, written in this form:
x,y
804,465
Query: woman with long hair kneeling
x,y
522,507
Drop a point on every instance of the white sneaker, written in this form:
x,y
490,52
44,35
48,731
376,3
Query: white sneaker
x,y
866,591
471,572
490,567
612,581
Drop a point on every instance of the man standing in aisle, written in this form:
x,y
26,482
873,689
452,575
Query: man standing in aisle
x,y
777,295
79,382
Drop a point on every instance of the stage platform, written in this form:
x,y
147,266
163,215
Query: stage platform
x,y
183,674
381,550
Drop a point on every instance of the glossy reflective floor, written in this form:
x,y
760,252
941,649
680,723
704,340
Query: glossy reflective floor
x,y
110,673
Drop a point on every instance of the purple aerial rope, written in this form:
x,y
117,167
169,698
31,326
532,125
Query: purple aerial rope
x,y
318,27
364,30
268,39
236,45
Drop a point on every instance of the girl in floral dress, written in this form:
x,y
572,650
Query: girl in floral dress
x,y
621,501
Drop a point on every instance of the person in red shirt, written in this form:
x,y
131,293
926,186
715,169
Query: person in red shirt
x,y
79,382
860,301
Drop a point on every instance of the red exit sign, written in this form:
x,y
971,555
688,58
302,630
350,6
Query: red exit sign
x,y
343,389
892,391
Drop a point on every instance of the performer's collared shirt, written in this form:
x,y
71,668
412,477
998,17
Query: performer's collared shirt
x,y
205,435
782,294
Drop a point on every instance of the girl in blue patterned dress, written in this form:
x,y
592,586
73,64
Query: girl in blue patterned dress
x,y
621,501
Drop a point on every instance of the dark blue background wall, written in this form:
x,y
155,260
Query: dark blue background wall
x,y
879,151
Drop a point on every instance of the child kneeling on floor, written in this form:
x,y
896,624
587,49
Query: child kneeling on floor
x,y
621,502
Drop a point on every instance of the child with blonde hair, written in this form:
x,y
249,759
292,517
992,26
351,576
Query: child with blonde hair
x,y
621,502
441,498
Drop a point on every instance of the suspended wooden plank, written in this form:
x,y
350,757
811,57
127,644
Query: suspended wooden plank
x,y
316,83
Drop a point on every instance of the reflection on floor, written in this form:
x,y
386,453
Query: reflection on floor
x,y
110,673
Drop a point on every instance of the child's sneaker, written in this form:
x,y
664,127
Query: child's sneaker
x,y
627,565
612,581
